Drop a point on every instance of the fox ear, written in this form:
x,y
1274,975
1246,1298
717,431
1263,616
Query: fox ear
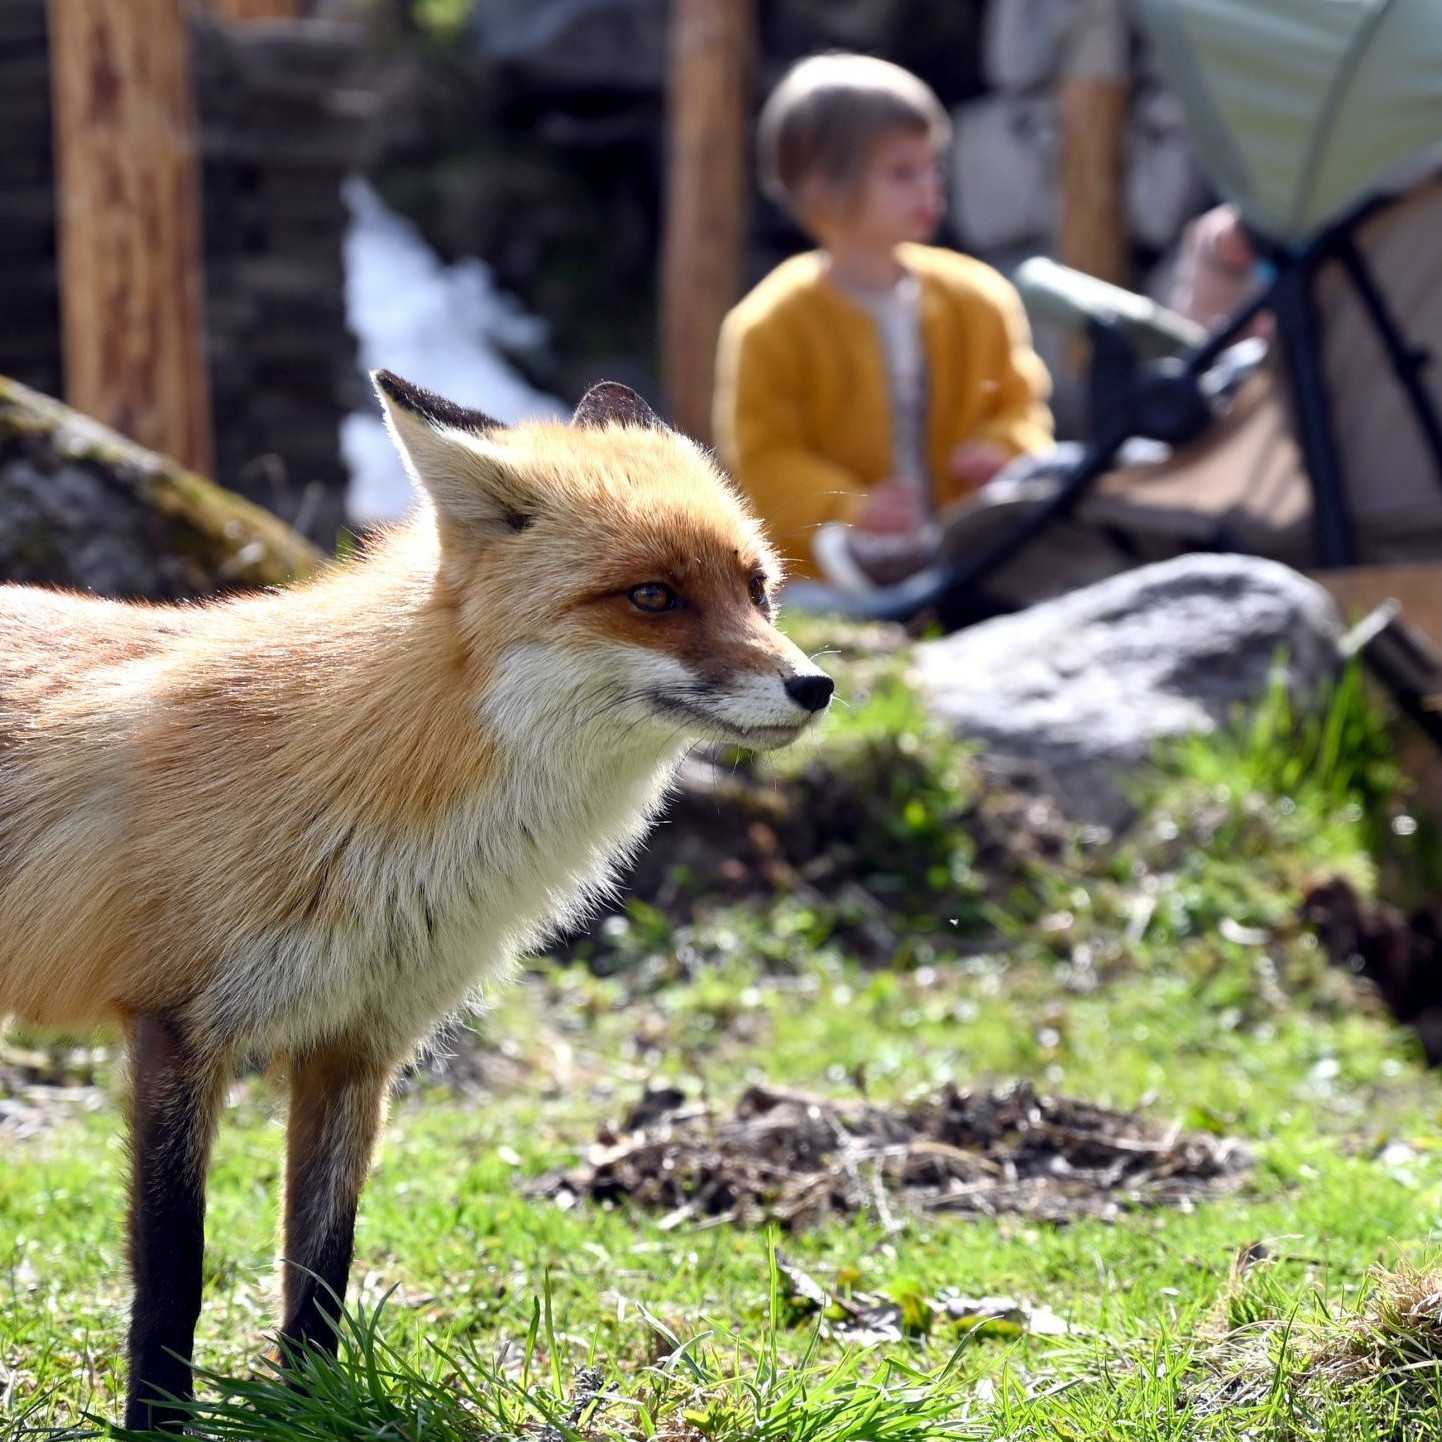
x,y
452,454
609,403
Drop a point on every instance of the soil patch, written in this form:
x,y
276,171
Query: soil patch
x,y
1400,955
797,1159
845,838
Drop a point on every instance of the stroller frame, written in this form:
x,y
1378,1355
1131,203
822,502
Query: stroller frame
x,y
1165,401
1172,387
1291,298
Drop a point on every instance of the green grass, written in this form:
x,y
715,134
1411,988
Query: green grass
x,y
1166,972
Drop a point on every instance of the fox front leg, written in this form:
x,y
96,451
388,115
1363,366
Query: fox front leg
x,y
337,1107
175,1098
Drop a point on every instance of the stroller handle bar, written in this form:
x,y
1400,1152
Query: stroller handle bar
x,y
952,578
1074,300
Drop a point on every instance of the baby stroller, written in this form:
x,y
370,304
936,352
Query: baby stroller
x,y
1322,123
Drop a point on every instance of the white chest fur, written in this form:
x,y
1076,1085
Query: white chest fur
x,y
445,910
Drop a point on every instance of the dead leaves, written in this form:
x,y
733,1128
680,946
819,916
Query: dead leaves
x,y
863,1319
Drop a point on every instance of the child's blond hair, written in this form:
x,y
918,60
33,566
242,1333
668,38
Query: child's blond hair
x,y
827,113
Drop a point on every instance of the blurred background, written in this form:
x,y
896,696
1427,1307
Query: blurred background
x,y
502,199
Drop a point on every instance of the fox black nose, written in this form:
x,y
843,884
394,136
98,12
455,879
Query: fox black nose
x,y
811,692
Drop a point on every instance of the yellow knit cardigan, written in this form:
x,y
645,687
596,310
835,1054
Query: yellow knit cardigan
x,y
801,413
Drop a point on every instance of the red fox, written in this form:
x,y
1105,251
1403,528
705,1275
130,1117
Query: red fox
x,y
308,825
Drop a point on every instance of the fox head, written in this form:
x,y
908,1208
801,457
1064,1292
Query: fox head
x,y
606,571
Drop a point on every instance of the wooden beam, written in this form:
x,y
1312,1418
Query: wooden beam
x,y
712,43
128,205
1095,89
242,11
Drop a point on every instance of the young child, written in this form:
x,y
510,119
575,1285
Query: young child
x,y
864,385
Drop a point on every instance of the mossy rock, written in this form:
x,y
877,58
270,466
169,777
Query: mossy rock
x,y
84,508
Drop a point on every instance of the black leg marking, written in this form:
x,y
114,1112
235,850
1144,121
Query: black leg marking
x,y
337,1106
315,1286
173,1112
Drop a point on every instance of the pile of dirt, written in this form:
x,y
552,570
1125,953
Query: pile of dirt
x,y
1400,955
797,1159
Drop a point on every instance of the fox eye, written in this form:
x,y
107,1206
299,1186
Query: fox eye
x,y
759,598
653,596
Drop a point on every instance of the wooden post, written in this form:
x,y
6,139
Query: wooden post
x,y
128,206
707,194
241,11
1094,96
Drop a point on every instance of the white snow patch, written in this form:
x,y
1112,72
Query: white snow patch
x,y
432,323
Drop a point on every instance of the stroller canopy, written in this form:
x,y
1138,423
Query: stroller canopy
x,y
1301,108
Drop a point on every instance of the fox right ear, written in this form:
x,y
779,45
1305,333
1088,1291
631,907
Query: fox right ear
x,y
452,455
609,403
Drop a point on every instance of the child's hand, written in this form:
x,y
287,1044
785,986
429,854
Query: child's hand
x,y
974,463
892,509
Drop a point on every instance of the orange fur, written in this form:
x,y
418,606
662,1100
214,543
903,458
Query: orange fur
x,y
175,778
310,824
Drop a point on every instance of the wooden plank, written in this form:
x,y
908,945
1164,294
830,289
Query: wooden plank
x,y
1357,590
1417,588
712,43
129,223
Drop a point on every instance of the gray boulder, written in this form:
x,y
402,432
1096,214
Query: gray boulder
x,y
1082,688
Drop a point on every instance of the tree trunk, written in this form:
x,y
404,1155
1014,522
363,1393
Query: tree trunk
x,y
129,222
707,192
